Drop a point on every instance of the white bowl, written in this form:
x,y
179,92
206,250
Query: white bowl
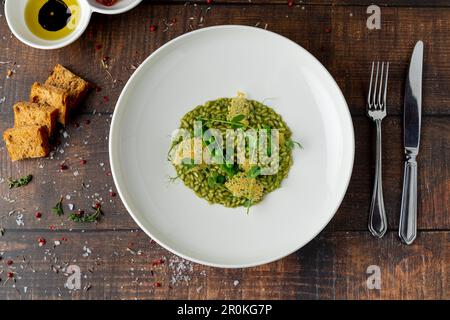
x,y
14,12
120,7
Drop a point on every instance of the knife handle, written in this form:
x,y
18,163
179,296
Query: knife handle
x,y
377,214
408,214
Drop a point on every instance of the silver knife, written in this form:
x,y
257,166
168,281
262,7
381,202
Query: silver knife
x,y
411,129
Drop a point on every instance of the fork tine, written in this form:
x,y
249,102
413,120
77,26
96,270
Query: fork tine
x,y
385,84
374,96
369,104
380,89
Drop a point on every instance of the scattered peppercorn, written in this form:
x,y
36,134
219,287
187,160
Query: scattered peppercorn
x,y
327,30
63,167
83,162
157,284
9,262
38,215
10,274
98,47
41,242
157,262
107,3
112,194
106,98
87,122
153,28
291,3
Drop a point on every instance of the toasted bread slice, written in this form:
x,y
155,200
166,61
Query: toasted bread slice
x,y
29,113
26,142
65,79
53,96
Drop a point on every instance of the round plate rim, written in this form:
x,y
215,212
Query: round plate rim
x,y
114,167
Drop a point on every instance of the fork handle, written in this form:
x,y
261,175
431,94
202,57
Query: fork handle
x,y
377,214
408,214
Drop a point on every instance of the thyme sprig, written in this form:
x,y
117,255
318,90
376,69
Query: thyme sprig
x,y
58,209
19,182
87,218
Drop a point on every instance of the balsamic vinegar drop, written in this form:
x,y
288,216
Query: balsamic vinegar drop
x,y
52,19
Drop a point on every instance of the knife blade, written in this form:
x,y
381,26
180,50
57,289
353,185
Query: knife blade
x,y
412,113
413,100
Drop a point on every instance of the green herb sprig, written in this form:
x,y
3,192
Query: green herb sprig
x,y
87,218
58,209
19,182
230,169
248,203
235,122
254,172
291,144
215,180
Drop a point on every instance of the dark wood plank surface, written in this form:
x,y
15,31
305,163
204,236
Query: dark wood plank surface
x,y
334,264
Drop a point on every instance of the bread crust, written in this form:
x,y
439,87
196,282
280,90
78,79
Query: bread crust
x,y
29,113
53,96
27,142
63,78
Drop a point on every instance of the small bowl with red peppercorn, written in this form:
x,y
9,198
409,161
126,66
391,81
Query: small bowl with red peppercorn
x,y
112,6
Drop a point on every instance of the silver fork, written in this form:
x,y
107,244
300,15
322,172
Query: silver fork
x,y
376,110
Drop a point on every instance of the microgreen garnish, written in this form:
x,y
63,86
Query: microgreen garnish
x,y
254,172
19,182
230,169
235,122
188,163
173,179
291,144
81,216
174,144
215,180
248,203
57,209
269,136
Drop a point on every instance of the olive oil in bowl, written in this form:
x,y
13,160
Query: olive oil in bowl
x,y
52,19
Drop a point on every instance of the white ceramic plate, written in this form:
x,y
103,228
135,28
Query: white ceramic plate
x,y
217,62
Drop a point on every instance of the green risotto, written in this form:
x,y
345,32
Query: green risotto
x,y
232,182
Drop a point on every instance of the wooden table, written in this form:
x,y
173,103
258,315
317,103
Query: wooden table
x,y
118,261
